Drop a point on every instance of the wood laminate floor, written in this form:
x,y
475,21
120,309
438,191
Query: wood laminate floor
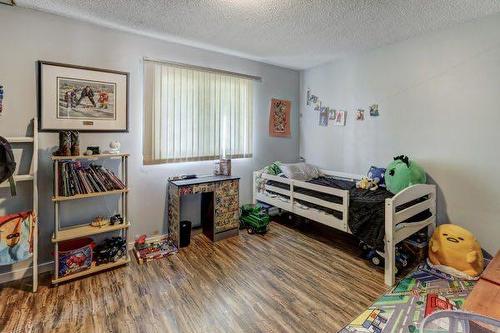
x,y
285,281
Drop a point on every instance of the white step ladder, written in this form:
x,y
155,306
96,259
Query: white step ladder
x,y
31,176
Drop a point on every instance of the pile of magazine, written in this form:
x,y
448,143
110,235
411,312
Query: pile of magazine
x,y
77,177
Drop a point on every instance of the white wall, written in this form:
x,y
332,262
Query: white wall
x,y
439,102
28,36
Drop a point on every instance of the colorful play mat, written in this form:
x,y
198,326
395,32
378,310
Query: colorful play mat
x,y
422,292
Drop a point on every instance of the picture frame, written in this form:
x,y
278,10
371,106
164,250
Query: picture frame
x,y
86,99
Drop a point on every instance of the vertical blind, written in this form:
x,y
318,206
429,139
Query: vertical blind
x,y
195,114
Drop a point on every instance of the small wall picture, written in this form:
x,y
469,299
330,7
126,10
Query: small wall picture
x,y
318,106
331,114
279,118
323,116
340,118
310,98
374,110
82,98
331,117
360,114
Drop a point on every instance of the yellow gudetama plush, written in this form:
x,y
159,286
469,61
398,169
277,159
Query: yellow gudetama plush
x,y
456,247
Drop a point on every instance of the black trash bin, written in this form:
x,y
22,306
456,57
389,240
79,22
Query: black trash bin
x,y
185,233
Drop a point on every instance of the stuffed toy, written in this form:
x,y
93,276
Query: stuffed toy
x,y
402,173
377,173
452,246
367,184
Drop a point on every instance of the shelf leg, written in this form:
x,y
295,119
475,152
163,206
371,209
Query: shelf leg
x,y
56,245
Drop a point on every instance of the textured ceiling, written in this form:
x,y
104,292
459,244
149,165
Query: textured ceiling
x,y
292,33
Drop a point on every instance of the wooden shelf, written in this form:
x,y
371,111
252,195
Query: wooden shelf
x,y
88,195
86,230
18,178
87,157
20,139
83,230
93,269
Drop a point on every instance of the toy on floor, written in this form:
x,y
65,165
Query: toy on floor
x,y
402,173
254,219
111,250
367,184
154,247
456,251
377,257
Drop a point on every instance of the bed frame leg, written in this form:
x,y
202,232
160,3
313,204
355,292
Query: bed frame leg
x,y
390,246
390,267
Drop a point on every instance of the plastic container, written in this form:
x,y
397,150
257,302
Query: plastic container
x,y
75,255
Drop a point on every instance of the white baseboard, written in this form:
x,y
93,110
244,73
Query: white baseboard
x,y
25,272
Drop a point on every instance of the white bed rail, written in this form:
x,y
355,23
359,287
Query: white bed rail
x,y
293,205
395,231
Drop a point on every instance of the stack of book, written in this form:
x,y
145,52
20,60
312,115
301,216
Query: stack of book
x,y
76,177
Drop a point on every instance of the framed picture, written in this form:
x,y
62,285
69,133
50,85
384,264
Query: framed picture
x,y
82,98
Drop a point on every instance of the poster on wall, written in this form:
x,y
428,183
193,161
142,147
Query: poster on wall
x,y
324,115
331,117
374,110
279,118
360,114
82,98
340,118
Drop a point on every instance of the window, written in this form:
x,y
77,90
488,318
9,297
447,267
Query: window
x,y
195,114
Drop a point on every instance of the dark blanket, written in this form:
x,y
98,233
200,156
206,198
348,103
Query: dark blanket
x,y
366,210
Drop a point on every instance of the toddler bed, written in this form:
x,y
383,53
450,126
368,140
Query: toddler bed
x,y
376,217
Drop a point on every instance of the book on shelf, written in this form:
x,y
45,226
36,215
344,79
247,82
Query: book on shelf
x,y
78,177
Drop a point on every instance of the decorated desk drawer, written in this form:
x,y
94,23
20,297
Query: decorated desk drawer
x,y
226,204
227,221
227,188
202,188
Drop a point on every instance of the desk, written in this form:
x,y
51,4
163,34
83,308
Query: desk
x,y
219,205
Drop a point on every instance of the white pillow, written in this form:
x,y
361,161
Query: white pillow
x,y
300,171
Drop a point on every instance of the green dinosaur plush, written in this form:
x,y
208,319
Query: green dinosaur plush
x,y
402,173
